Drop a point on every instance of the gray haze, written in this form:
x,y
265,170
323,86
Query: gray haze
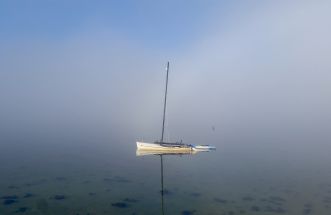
x,y
259,76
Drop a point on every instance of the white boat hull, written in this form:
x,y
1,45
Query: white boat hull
x,y
160,147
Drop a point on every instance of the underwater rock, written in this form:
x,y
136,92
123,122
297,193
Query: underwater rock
x,y
13,187
242,211
21,210
120,205
187,212
9,201
92,194
231,213
219,200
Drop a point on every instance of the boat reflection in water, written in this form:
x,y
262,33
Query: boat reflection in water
x,y
162,153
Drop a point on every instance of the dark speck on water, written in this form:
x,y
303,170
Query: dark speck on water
x,y
120,205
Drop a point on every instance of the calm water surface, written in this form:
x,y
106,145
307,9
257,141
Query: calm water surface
x,y
100,174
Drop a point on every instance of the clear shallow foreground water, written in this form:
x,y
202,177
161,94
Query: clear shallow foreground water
x,y
99,174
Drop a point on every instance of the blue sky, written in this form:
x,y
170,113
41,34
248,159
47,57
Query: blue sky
x,y
154,23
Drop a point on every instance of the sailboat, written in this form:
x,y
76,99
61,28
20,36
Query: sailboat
x,y
161,145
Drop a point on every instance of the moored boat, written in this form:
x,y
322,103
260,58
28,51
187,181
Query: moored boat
x,y
173,146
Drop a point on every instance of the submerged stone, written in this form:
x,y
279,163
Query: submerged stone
x,y
120,205
9,201
13,187
91,194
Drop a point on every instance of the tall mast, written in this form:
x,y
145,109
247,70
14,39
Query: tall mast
x,y
165,101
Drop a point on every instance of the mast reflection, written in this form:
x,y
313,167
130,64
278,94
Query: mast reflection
x,y
162,153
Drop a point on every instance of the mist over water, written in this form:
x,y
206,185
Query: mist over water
x,y
254,82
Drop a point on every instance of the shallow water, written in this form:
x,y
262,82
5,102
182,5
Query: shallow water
x,y
99,174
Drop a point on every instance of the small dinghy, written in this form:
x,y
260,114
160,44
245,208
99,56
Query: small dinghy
x,y
167,146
